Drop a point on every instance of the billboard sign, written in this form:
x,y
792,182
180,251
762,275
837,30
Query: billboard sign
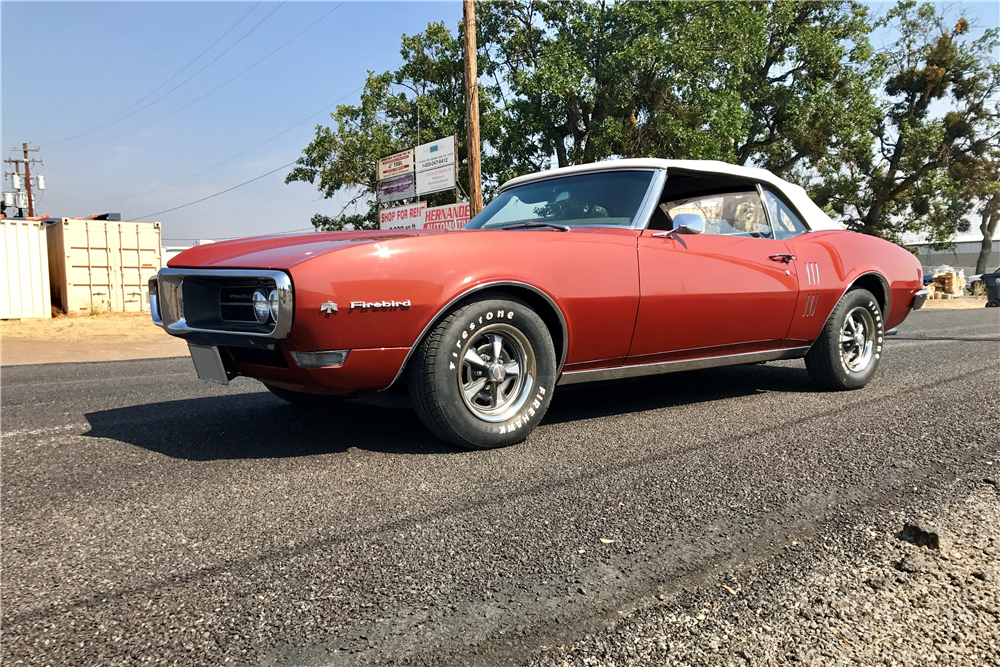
x,y
418,216
395,164
396,188
436,154
450,216
403,217
435,180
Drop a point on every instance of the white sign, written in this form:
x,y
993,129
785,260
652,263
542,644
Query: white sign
x,y
418,216
396,188
403,217
395,164
451,216
436,154
435,180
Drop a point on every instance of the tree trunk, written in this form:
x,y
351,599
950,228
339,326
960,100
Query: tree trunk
x,y
989,225
561,152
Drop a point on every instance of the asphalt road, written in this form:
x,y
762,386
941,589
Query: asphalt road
x,y
150,518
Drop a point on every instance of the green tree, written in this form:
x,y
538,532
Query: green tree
x,y
425,92
939,93
766,83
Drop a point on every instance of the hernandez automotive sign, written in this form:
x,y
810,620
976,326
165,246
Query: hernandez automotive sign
x,y
395,164
418,216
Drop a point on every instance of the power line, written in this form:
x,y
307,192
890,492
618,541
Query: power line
x,y
225,83
210,63
198,201
252,148
181,70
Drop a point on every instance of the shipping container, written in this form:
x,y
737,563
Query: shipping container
x,y
25,270
102,265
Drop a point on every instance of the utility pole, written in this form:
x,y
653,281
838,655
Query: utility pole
x,y
473,145
27,162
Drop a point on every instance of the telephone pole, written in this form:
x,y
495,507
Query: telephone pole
x,y
472,109
27,162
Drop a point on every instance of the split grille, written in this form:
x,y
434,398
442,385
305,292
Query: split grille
x,y
236,304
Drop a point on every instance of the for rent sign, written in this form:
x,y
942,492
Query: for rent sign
x,y
403,217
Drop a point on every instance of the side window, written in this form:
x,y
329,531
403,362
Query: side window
x,y
730,214
786,224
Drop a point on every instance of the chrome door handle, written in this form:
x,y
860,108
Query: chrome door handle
x,y
786,258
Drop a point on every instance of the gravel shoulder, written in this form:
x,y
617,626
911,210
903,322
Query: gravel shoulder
x,y
916,586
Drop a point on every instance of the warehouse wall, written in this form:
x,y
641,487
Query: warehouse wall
x,y
960,256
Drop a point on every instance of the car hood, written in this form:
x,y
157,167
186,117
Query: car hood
x,y
266,252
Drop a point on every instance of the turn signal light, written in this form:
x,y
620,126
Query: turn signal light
x,y
324,359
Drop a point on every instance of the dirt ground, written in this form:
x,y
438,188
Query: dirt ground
x,y
71,338
956,304
120,336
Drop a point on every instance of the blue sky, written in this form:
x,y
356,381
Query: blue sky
x,y
68,67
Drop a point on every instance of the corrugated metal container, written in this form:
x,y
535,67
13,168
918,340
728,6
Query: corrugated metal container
x,y
102,265
25,270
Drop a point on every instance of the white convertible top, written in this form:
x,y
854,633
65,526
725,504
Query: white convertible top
x,y
814,216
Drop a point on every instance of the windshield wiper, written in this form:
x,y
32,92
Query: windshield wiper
x,y
535,224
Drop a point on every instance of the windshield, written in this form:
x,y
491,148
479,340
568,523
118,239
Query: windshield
x,y
600,199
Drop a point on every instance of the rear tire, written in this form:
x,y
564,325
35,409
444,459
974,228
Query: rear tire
x,y
483,377
849,348
302,399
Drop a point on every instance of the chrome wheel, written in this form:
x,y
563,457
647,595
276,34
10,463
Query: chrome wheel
x,y
497,372
857,340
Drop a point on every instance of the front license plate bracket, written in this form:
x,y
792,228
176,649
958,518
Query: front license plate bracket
x,y
208,363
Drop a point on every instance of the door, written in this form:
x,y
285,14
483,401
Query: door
x,y
730,289
821,271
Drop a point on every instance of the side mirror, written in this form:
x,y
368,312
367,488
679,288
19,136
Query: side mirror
x,y
689,223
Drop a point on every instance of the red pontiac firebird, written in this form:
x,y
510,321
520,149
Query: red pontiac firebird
x,y
595,272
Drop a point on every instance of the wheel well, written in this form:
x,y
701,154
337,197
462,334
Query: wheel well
x,y
875,284
539,303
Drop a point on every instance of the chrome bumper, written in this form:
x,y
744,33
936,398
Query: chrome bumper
x,y
918,299
166,305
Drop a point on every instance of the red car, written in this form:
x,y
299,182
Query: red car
x,y
595,272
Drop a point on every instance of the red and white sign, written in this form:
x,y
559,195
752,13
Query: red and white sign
x,y
418,216
451,216
403,217
395,164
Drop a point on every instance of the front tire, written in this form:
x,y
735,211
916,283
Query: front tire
x,y
849,348
483,377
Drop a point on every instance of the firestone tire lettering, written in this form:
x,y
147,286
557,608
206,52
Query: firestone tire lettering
x,y
434,374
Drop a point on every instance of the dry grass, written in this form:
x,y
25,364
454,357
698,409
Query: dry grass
x,y
71,338
961,303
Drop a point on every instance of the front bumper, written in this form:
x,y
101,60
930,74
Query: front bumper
x,y
918,299
199,320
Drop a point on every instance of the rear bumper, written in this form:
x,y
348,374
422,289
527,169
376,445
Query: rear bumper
x,y
918,299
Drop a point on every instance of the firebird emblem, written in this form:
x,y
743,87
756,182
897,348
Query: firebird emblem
x,y
328,307
377,305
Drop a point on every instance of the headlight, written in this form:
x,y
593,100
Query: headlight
x,y
272,301
260,308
